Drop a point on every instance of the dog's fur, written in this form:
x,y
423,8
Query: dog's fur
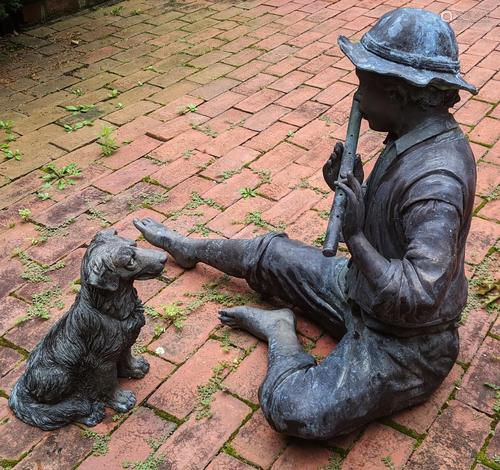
x,y
72,374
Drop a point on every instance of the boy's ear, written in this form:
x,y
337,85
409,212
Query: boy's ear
x,y
103,274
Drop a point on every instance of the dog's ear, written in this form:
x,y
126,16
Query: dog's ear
x,y
103,274
104,235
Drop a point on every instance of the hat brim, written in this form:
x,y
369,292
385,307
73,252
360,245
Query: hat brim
x,y
363,59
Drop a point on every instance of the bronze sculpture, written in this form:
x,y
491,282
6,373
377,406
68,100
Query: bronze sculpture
x,y
395,303
72,374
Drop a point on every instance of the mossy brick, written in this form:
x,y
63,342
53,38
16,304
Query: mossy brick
x,y
420,418
233,160
280,157
491,210
225,223
181,169
304,455
270,137
176,126
175,148
179,343
11,215
226,462
126,228
227,192
291,206
283,182
16,237
129,113
450,444
133,66
259,100
257,442
220,103
213,89
182,452
129,440
76,139
72,206
376,443
80,231
305,113
245,381
126,154
482,236
278,54
484,368
177,396
17,437
126,176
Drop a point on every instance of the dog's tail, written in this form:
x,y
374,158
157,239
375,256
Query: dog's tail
x,y
52,416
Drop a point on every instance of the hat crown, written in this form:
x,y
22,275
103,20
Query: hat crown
x,y
414,37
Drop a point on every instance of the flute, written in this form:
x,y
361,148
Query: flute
x,y
337,214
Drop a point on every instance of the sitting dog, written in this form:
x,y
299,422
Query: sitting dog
x,y
72,374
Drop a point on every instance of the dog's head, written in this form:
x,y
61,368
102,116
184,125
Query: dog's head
x,y
111,259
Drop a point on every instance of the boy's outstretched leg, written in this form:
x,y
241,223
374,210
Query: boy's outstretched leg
x,y
227,256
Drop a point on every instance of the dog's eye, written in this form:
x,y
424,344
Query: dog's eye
x,y
131,262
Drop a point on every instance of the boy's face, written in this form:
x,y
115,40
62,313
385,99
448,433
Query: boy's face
x,y
377,108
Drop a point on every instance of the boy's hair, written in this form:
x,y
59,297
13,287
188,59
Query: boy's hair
x,y
424,97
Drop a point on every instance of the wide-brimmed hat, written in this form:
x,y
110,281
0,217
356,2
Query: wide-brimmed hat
x,y
413,44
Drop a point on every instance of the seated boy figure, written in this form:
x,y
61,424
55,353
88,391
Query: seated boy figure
x,y
395,303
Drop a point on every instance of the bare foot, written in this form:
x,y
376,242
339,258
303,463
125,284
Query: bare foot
x,y
261,323
179,247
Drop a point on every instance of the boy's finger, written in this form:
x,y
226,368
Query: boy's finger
x,y
348,192
354,184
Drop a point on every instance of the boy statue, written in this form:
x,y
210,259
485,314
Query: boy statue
x,y
396,302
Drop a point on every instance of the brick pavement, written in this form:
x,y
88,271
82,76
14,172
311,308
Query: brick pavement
x,y
214,99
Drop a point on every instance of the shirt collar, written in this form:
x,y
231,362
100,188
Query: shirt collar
x,y
431,127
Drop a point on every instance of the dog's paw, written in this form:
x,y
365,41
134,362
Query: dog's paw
x,y
96,415
137,369
122,401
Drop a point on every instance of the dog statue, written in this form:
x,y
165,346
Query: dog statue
x,y
72,374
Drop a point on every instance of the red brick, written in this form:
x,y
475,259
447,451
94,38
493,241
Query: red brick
x,y
226,462
215,88
16,237
183,452
173,92
378,442
126,154
243,57
126,228
176,126
487,179
491,210
128,442
179,343
305,113
273,41
298,96
129,113
305,455
225,222
490,92
10,309
420,418
482,47
449,443
179,196
180,169
221,103
259,100
62,448
249,375
99,54
269,138
324,346
177,396
209,59
482,236
285,66
227,140
8,359
290,81
307,228
283,182
486,132
171,110
479,76
173,149
226,192
17,437
473,390
253,85
266,117
278,158
257,442
291,206
233,160
211,73
468,61
472,331
311,134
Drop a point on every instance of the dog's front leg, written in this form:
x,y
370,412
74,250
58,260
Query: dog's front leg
x,y
112,394
131,367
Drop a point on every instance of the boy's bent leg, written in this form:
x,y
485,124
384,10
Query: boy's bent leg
x,y
271,264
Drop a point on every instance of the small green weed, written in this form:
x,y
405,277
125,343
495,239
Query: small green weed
x,y
232,124
116,10
61,177
113,94
305,184
205,392
48,232
496,405
334,463
137,12
187,153
100,444
77,91
96,213
320,241
16,155
247,192
148,200
389,462
79,108
6,125
227,342
149,67
44,196
290,134
189,108
328,120
78,125
33,271
225,175
108,144
206,130
42,302
265,176
25,214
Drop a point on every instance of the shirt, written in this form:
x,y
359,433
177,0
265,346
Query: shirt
x,y
419,202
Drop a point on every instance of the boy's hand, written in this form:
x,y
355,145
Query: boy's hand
x,y
332,167
355,209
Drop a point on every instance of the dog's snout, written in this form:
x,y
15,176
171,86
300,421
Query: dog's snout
x,y
162,258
